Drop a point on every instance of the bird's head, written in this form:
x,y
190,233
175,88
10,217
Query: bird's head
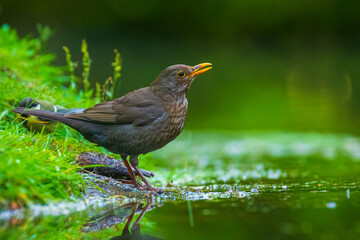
x,y
177,79
29,103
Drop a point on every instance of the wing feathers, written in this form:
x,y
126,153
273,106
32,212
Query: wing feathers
x,y
139,108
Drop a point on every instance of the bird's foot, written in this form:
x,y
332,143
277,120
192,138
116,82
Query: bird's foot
x,y
146,188
152,189
155,190
136,184
141,187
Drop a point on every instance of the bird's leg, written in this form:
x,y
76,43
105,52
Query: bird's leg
x,y
132,175
134,163
147,206
128,222
135,229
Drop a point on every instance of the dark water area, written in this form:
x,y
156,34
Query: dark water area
x,y
271,214
311,210
262,185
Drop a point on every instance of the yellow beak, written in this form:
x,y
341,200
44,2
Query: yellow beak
x,y
198,69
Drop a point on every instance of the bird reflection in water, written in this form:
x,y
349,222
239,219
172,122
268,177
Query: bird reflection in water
x,y
135,229
111,217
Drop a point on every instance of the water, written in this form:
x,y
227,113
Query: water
x,y
306,212
273,185
302,210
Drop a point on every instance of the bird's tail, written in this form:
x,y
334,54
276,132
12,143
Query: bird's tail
x,y
49,116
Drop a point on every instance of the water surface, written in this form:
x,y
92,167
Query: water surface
x,y
271,185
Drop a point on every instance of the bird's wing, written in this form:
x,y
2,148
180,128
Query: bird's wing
x,y
139,108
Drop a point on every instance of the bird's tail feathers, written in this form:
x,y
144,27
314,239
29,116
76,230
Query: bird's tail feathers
x,y
48,116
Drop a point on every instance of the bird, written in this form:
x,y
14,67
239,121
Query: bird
x,y
38,124
139,122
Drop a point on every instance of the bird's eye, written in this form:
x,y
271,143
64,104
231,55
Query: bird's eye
x,y
181,74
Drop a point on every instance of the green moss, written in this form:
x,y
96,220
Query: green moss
x,y
36,168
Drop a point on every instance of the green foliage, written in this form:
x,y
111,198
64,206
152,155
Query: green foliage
x,y
86,63
117,65
45,33
71,66
36,168
106,92
45,227
103,92
24,71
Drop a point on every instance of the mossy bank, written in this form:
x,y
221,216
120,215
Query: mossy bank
x,y
35,167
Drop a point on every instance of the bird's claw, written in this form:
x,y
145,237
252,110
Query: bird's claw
x,y
153,189
149,188
137,185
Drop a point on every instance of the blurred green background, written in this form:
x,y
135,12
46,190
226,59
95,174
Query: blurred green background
x,y
278,65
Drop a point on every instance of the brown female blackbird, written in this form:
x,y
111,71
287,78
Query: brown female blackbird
x,y
139,122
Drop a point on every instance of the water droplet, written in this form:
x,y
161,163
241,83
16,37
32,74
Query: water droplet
x,y
331,205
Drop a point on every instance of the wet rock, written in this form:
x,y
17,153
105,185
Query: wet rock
x,y
104,187
113,169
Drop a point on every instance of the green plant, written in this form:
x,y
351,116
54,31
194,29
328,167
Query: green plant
x,y
86,63
105,91
37,168
117,65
